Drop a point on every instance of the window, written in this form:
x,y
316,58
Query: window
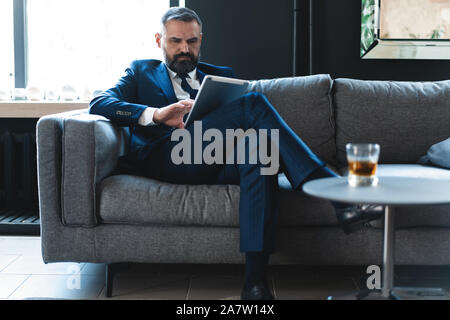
x,y
89,43
83,43
6,45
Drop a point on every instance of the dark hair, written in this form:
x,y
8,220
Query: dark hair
x,y
180,14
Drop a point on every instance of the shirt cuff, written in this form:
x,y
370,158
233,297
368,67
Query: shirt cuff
x,y
146,118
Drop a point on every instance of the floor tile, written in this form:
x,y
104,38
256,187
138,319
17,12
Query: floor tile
x,y
361,282
35,265
419,282
145,268
320,271
404,286
235,270
9,283
93,269
422,271
177,269
23,275
20,246
443,283
215,288
59,287
291,287
6,260
151,287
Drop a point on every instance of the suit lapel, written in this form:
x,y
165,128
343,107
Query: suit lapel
x,y
165,83
163,78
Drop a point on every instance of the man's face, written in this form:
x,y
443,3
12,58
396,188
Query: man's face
x,y
180,43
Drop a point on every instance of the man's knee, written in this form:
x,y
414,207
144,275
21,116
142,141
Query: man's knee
x,y
254,97
256,100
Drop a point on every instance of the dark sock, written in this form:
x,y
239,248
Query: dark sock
x,y
255,267
340,205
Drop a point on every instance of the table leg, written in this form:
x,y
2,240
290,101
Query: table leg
x,y
388,252
388,291
388,262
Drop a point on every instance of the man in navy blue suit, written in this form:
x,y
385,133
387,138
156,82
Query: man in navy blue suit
x,y
153,97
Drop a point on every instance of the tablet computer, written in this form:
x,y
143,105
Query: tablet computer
x,y
214,92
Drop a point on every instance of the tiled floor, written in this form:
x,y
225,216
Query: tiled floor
x,y
23,275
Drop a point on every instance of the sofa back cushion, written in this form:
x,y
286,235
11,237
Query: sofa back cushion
x,y
305,104
405,118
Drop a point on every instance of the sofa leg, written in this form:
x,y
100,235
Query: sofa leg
x,y
109,280
111,270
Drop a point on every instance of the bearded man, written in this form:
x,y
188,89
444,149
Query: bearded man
x,y
152,99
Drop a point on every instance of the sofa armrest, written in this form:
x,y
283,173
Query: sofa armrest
x,y
75,150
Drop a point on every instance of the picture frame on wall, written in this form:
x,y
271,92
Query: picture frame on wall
x,y
405,29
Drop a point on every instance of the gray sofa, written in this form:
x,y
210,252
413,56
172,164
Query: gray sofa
x,y
89,215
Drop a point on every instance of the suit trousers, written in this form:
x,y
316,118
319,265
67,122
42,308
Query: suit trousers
x,y
258,206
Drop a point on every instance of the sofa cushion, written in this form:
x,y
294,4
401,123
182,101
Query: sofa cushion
x,y
405,118
305,104
438,155
135,200
138,200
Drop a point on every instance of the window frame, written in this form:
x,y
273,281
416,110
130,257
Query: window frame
x,y
20,43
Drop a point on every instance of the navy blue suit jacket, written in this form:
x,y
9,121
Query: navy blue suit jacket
x,y
146,83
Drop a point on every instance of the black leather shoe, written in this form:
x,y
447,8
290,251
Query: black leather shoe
x,y
356,217
256,292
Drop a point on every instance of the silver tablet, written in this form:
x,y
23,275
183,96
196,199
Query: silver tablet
x,y
214,92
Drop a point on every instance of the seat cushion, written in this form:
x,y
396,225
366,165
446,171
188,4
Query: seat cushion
x,y
139,200
126,199
135,200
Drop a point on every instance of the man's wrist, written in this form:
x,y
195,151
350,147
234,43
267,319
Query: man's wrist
x,y
156,118
146,119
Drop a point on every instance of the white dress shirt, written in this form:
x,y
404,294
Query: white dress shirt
x,y
146,119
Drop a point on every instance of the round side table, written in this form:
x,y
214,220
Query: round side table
x,y
390,192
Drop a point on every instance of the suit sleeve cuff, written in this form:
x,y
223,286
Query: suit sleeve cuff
x,y
146,119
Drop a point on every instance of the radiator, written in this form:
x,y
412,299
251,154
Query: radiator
x,y
18,174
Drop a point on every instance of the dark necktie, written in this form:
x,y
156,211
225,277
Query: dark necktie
x,y
186,87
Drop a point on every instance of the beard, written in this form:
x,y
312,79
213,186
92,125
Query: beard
x,y
181,66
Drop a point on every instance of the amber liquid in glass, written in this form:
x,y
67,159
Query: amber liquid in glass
x,y
362,168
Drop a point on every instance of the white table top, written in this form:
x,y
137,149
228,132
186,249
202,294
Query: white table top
x,y
390,191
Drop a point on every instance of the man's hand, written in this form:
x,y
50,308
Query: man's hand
x,y
172,115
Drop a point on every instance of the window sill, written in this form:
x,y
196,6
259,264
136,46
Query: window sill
x,y
37,109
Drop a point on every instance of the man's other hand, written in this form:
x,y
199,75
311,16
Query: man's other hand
x,y
172,115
